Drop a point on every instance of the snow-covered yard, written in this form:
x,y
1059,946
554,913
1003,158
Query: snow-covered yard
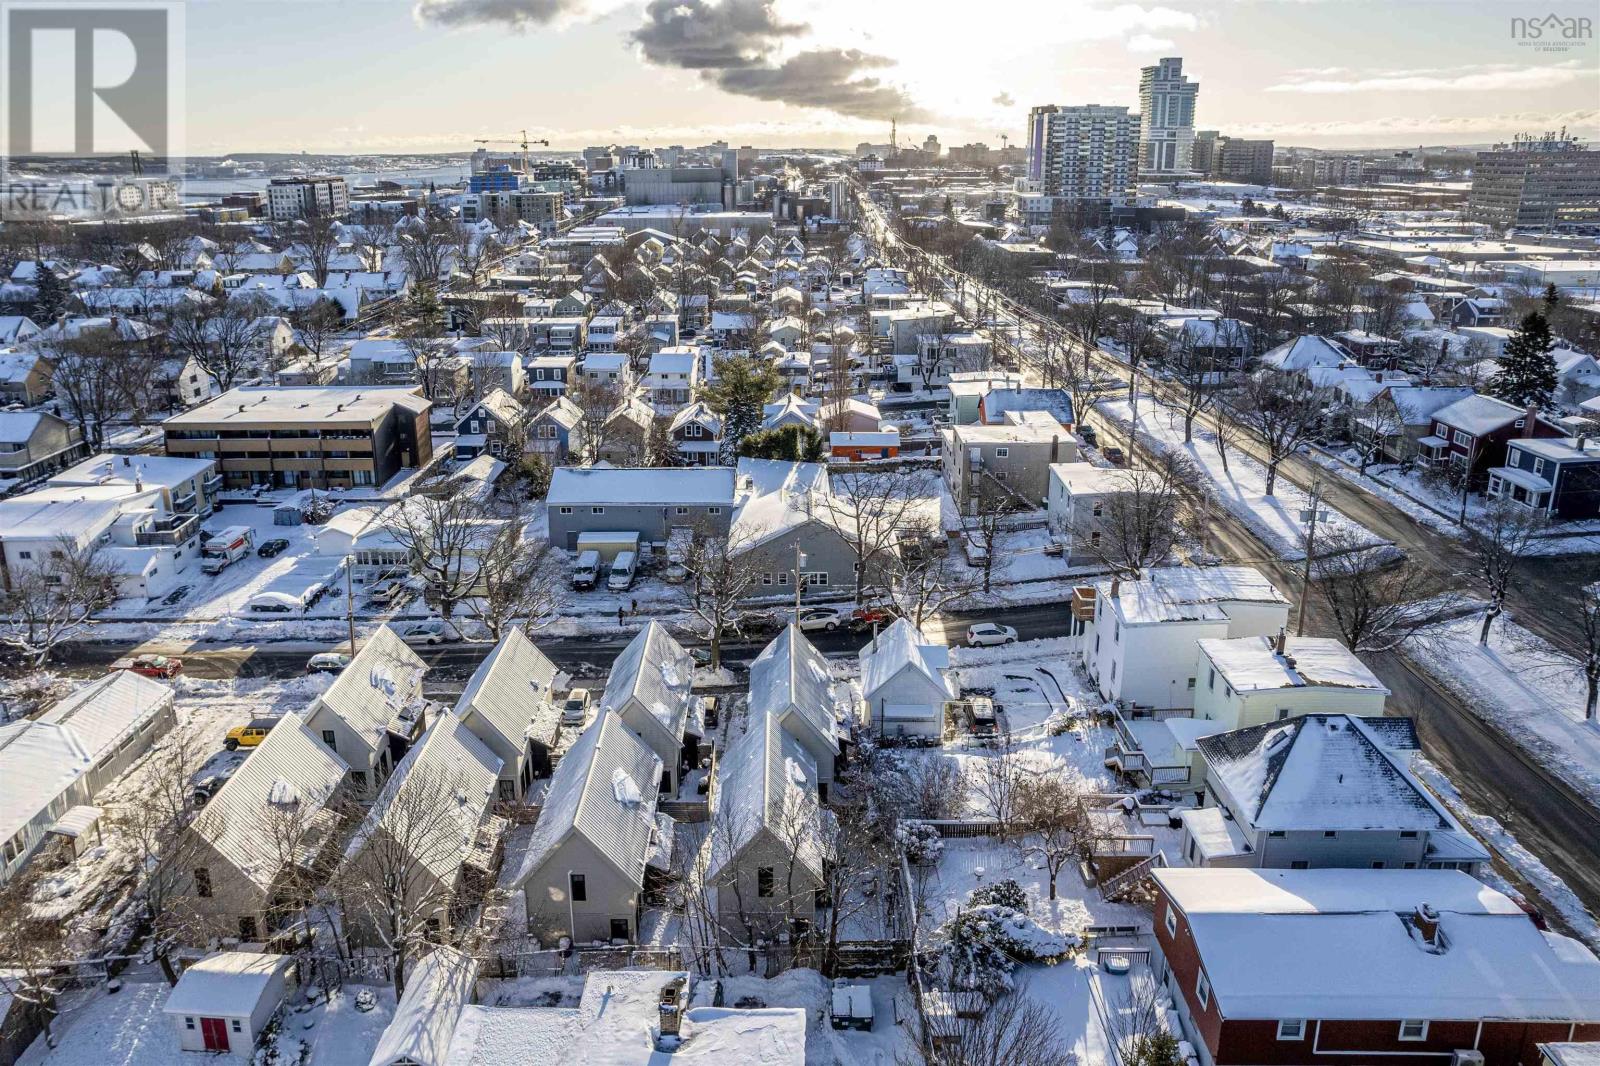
x,y
127,1028
1241,486
1525,688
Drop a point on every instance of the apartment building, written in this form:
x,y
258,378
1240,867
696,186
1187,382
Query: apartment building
x,y
1166,127
1544,184
327,436
1089,152
292,198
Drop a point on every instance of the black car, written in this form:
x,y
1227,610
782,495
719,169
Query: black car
x,y
272,547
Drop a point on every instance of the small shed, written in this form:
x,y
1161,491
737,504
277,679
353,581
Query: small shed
x,y
81,826
222,1003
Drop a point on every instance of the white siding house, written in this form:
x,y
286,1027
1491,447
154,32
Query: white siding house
x,y
903,682
221,1004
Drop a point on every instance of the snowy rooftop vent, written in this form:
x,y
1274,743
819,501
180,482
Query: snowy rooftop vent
x,y
282,794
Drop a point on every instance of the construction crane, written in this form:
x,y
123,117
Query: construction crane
x,y
524,142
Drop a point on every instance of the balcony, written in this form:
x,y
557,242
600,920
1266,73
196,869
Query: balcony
x,y
169,532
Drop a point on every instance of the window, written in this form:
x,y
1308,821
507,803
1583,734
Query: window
x,y
202,882
766,579
1172,921
24,555
508,791
188,1023
566,510
1330,833
597,510
683,510
764,881
1099,509
1292,1029
1300,864
1202,989
247,928
1002,453
1191,684
1408,834
328,739
1211,680
1377,864
783,577
1283,712
1538,466
1276,833
236,1027
1414,1029
713,510
1461,438
580,888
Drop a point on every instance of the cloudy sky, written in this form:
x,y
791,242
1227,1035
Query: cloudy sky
x,y
430,75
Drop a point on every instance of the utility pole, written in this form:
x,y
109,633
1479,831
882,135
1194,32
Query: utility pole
x,y
799,561
349,607
1309,516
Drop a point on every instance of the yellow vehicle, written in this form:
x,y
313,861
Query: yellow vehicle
x,y
249,734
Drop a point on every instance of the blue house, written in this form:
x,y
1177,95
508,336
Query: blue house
x,y
1557,475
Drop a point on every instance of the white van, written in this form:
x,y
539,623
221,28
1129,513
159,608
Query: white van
x,y
586,571
623,570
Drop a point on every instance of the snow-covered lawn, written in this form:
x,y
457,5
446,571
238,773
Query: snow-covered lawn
x,y
128,1029
1241,487
1522,686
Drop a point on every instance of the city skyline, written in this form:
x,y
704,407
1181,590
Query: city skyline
x,y
826,75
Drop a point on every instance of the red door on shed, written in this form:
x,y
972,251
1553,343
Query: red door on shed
x,y
215,1033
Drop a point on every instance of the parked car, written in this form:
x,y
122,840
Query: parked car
x,y
386,591
215,773
576,710
250,734
275,546
586,571
327,662
1090,437
1114,456
162,667
852,1005
431,631
826,618
984,634
624,568
874,615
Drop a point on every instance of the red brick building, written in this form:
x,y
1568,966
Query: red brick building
x,y
1474,431
1363,967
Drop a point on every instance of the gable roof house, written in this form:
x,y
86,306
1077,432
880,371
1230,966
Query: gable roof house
x,y
582,872
556,432
791,682
510,705
1303,353
429,837
1402,415
25,375
649,689
1559,476
437,988
903,682
696,433
1294,966
1473,432
492,426
1322,790
373,708
274,817
766,848
63,759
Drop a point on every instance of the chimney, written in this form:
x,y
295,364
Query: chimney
x,y
1426,920
1529,418
1281,641
1055,443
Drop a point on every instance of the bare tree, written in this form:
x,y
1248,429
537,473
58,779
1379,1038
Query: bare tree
x,y
52,600
1135,523
427,245
1373,426
1193,373
228,341
444,534
1498,543
1585,612
857,847
868,508
1282,410
1055,821
1378,602
1138,1028
317,325
520,578
1015,1030
992,503
30,950
390,874
722,577
90,376
596,402
317,237
996,781
923,578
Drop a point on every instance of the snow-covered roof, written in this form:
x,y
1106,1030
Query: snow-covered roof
x,y
438,987
588,796
1182,593
1252,664
511,692
1418,403
1572,1054
775,496
383,679
41,758
899,646
1322,772
450,774
316,404
643,487
498,404
289,768
697,412
1090,479
767,782
1302,353
226,985
653,674
790,680
1356,956
168,471
1054,402
1477,414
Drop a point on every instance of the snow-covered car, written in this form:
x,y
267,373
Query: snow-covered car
x,y
827,618
386,591
984,634
162,667
327,662
575,711
852,1005
432,631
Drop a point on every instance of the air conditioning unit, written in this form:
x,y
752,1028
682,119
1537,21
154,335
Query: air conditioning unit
x,y
1466,1057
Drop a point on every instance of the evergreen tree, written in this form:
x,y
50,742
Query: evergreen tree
x,y
421,314
1527,374
796,443
1552,298
741,388
51,296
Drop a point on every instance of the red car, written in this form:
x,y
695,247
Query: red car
x,y
160,666
870,616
